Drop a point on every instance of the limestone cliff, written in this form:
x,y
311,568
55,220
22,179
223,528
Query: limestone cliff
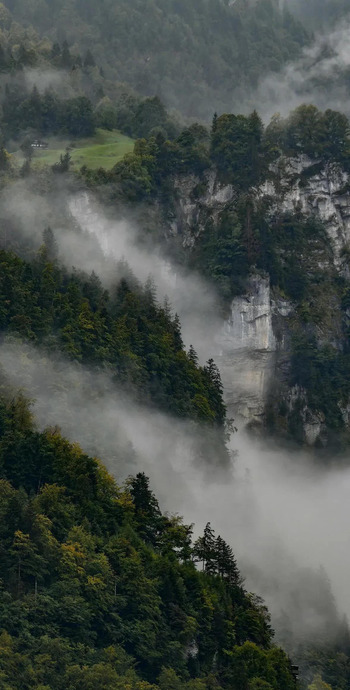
x,y
254,345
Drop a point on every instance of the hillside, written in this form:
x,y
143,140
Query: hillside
x,y
162,48
163,281
262,213
100,590
103,150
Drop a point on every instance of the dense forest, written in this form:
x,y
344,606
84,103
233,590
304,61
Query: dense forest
x,y
161,48
100,590
249,234
98,587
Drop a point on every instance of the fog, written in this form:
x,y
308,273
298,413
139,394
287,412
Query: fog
x,y
43,79
90,241
319,76
317,13
190,296
284,516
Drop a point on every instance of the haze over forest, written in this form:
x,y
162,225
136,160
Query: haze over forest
x,y
174,346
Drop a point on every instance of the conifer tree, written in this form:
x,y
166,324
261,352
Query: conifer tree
x,y
192,355
50,244
204,550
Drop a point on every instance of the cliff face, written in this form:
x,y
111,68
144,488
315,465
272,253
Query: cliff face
x,y
322,190
254,345
247,351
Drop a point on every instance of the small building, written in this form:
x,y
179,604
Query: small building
x,y
39,144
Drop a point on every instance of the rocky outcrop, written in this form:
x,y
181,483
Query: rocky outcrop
x,y
254,345
314,188
247,350
196,201
294,184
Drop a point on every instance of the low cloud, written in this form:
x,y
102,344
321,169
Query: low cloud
x,y
320,76
284,516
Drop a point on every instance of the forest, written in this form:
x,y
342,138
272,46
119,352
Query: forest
x,y
100,587
166,53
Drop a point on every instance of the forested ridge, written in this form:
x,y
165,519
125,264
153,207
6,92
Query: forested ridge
x,y
161,47
250,234
98,587
100,590
127,331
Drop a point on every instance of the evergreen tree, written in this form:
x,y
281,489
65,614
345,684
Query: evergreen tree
x,y
192,355
50,244
204,550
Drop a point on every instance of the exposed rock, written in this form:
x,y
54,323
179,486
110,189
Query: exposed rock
x,y
196,199
323,190
247,351
254,345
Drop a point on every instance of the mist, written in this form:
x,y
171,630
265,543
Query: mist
x,y
317,13
90,241
193,299
284,516
43,79
319,76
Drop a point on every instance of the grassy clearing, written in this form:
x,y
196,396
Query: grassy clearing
x,y
103,150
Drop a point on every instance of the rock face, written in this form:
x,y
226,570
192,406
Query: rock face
x,y
247,351
253,347
303,184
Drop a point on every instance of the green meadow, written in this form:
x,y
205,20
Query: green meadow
x,y
103,150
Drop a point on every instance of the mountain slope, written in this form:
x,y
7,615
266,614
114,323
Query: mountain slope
x,y
263,213
99,589
162,48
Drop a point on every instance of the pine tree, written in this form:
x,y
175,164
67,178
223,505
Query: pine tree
x,y
204,550
225,562
147,511
192,355
216,390
50,244
177,332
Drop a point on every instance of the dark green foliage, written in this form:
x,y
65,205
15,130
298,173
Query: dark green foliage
x,y
193,54
99,589
323,135
324,372
63,164
46,114
216,557
236,149
126,330
248,234
221,254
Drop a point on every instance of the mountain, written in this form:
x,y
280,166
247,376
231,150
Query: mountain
x,y
148,303
319,14
161,48
100,590
263,214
